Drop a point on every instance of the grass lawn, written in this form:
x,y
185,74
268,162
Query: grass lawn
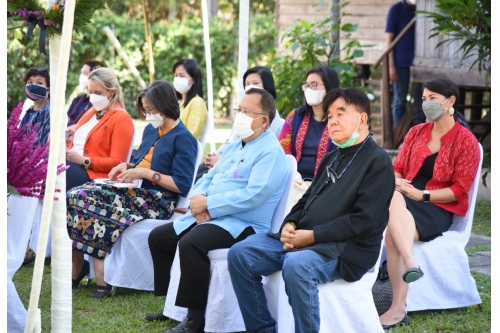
x,y
125,312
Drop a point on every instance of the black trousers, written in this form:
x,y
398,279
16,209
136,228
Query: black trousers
x,y
202,169
76,175
194,244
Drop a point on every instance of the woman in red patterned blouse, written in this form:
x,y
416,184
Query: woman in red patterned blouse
x,y
434,171
304,133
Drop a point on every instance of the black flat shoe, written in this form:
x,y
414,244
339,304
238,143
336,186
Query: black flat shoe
x,y
413,274
188,325
403,322
84,272
156,317
104,291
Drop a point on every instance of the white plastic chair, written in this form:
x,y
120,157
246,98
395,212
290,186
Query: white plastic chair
x,y
346,307
223,312
129,264
20,217
447,282
206,131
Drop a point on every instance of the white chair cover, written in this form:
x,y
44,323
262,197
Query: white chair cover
x,y
346,307
447,282
20,214
223,312
129,264
35,231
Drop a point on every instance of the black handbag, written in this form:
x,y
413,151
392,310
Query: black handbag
x,y
382,290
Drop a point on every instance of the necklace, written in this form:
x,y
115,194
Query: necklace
x,y
99,114
329,170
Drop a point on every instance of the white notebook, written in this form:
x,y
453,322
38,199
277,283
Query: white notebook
x,y
117,183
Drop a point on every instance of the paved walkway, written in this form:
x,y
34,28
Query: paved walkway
x,y
480,261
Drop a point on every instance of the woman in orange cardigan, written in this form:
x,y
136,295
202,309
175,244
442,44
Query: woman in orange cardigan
x,y
103,135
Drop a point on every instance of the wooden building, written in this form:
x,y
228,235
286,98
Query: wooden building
x,y
430,61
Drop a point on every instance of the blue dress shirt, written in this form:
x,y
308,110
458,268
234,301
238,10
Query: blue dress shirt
x,y
244,187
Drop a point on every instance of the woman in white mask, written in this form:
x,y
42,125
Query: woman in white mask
x,y
103,136
189,91
255,77
81,103
304,133
164,163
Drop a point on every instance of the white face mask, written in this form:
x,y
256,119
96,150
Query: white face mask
x,y
84,81
413,2
243,125
156,120
250,86
181,85
314,97
99,102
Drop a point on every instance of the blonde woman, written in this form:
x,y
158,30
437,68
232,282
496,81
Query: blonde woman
x,y
103,135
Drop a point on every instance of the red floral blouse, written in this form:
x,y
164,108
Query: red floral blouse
x,y
455,167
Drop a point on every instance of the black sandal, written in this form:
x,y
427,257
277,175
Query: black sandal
x,y
104,291
84,272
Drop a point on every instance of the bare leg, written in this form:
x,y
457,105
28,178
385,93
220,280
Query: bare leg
x,y
400,236
99,271
77,258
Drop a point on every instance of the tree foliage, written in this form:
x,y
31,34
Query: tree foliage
x,y
307,45
171,42
466,21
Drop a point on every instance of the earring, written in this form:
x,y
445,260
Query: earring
x,y
451,110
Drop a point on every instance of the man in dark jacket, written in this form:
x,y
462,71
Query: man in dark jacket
x,y
335,230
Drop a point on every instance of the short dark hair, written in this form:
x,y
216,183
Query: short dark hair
x,y
265,75
267,103
194,71
443,86
351,96
161,94
94,64
140,108
37,71
330,79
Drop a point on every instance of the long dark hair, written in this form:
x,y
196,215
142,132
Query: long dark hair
x,y
330,80
265,75
194,71
447,88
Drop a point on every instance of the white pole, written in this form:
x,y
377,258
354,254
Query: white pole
x,y
208,60
242,47
61,245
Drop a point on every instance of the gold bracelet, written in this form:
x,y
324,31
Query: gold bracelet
x,y
293,224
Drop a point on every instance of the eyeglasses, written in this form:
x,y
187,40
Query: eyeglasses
x,y
40,69
147,112
313,86
331,174
245,112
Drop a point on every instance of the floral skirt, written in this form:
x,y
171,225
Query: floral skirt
x,y
98,214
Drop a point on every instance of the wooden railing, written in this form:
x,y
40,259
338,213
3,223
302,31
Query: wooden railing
x,y
387,129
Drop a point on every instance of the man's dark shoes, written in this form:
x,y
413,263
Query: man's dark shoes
x,y
156,317
413,274
188,325
404,321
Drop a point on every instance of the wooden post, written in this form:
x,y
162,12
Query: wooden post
x,y
124,56
387,131
148,40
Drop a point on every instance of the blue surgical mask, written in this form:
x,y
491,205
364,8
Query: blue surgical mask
x,y
35,92
351,140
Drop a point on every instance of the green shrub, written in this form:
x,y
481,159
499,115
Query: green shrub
x,y
311,46
171,42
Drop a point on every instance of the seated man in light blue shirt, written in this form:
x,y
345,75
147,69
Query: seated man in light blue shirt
x,y
235,199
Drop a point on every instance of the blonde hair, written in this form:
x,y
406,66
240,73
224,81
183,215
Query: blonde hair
x,y
107,79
